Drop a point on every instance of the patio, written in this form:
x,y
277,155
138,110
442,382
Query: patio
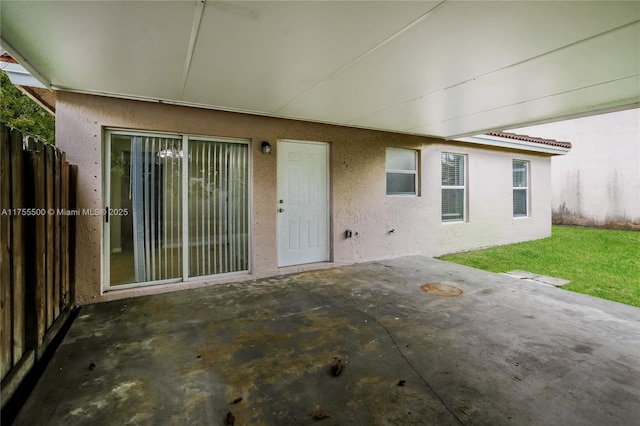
x,y
421,342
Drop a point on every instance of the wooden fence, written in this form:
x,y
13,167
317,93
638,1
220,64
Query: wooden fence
x,y
37,195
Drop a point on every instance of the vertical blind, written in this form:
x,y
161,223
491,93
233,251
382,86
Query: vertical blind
x,y
218,206
156,194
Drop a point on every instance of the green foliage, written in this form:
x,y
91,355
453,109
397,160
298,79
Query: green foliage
x,y
18,111
598,262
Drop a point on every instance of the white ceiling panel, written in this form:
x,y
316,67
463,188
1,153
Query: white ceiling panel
x,y
567,105
260,55
457,43
131,48
442,68
540,77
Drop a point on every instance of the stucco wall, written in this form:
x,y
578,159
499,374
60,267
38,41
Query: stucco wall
x,y
598,182
358,182
491,220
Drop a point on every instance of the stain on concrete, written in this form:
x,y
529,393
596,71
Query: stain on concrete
x,y
583,349
441,289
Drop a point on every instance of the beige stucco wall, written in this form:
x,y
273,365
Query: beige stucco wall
x,y
358,182
490,221
598,182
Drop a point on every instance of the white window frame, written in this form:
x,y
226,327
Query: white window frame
x,y
524,189
457,187
413,172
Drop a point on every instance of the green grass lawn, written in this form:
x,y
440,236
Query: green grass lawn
x,y
598,262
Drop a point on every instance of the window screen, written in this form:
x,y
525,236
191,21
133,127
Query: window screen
x,y
453,187
402,171
520,188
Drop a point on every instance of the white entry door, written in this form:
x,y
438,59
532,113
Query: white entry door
x,y
303,202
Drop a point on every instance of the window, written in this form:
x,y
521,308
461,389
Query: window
x,y
180,207
453,187
402,171
520,188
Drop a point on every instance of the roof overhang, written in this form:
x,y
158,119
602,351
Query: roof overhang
x,y
29,85
517,143
439,68
19,76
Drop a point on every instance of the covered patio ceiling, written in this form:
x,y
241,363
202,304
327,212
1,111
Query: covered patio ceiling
x,y
441,68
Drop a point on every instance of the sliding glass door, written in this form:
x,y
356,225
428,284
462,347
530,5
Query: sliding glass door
x,y
218,196
178,208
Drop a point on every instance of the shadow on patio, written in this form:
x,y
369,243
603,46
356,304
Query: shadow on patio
x,y
470,347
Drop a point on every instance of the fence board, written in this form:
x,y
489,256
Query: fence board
x,y
30,249
50,268
57,240
71,252
6,360
40,287
17,246
64,232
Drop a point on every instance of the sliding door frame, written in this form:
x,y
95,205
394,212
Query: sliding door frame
x,y
105,258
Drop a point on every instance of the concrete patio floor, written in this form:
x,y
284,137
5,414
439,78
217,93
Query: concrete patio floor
x,y
473,348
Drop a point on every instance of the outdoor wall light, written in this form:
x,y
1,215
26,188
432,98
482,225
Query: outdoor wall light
x,y
266,147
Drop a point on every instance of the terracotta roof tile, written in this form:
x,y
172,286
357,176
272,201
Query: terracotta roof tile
x,y
526,138
5,57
